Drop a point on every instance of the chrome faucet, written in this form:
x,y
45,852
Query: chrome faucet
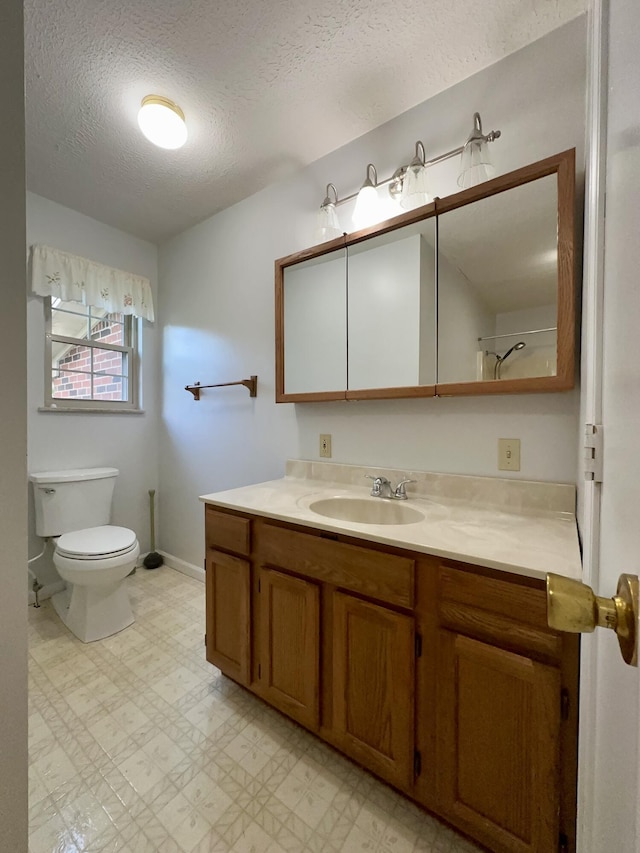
x,y
382,488
400,493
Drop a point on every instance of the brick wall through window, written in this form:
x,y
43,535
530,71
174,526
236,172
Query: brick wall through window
x,y
73,373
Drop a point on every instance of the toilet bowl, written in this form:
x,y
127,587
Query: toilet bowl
x,y
94,563
92,556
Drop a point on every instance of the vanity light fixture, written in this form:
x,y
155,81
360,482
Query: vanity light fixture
x,y
476,165
415,191
327,225
367,209
162,122
409,183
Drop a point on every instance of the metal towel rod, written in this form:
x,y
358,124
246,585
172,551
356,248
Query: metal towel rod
x,y
251,383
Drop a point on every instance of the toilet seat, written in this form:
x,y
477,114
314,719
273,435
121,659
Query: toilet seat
x,y
95,603
97,543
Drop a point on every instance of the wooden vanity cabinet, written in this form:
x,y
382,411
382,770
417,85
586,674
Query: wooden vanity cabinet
x,y
504,753
289,645
373,687
228,637
228,594
498,721
441,678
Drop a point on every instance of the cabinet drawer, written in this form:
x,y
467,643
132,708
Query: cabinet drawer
x,y
228,532
508,614
385,577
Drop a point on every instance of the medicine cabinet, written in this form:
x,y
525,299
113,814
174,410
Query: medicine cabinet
x,y
472,294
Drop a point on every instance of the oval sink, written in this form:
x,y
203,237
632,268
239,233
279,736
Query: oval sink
x,y
364,511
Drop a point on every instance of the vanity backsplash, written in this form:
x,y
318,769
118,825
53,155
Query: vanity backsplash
x,y
505,494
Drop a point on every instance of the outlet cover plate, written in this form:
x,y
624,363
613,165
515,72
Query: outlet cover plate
x,y
325,446
508,454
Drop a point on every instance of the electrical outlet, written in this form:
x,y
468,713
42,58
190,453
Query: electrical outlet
x,y
325,446
508,454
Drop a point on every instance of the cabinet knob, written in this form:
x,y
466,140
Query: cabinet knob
x,y
573,607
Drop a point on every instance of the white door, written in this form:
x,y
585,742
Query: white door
x,y
609,790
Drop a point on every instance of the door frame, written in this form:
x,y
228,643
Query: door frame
x,y
589,491
598,749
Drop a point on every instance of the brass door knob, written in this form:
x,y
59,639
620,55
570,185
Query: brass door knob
x,y
573,607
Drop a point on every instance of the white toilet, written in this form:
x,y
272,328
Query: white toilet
x,y
91,555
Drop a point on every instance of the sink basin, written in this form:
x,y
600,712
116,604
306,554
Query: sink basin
x,y
362,511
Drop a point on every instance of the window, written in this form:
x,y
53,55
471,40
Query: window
x,y
91,358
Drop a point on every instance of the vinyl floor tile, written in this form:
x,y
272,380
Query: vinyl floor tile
x,y
138,745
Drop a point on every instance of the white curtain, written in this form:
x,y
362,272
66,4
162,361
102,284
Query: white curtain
x,y
74,279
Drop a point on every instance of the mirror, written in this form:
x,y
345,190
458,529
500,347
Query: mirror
x,y
391,329
498,286
473,294
315,325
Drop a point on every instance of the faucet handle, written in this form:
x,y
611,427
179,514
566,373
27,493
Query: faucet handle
x,y
377,485
400,492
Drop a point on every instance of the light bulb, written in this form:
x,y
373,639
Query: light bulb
x,y
162,122
366,210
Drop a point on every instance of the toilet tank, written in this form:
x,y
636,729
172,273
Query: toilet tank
x,y
72,500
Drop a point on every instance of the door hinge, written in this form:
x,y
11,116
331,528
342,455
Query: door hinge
x,y
205,564
565,704
593,452
563,843
417,763
259,670
205,639
259,585
418,642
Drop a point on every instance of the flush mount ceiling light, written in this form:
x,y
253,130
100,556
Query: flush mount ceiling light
x,y
409,184
162,122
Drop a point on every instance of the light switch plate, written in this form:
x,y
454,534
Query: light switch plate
x,y
508,454
325,446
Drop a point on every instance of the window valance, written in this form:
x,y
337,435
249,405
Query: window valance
x,y
74,279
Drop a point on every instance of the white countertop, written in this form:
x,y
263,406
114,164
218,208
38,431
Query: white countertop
x,y
526,541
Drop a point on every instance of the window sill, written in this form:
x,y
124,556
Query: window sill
x,y
77,410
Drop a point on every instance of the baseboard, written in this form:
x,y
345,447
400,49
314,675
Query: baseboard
x,y
182,566
47,591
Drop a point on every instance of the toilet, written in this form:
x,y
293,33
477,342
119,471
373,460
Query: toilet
x,y
92,556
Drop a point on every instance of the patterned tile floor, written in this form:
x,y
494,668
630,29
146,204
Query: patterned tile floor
x,y
138,745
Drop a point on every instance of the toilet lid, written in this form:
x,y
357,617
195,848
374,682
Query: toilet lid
x,y
103,541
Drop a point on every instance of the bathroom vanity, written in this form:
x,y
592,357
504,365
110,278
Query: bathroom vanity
x,y
418,648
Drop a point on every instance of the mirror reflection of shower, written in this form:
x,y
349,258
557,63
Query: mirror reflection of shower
x,y
500,359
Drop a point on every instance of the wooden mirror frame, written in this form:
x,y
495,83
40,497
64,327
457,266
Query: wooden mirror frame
x,y
562,165
418,215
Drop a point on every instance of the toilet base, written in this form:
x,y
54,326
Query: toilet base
x,y
94,612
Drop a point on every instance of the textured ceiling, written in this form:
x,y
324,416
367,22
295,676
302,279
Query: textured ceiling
x,y
267,86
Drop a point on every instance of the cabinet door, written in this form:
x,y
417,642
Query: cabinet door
x,y
228,615
498,734
290,645
373,687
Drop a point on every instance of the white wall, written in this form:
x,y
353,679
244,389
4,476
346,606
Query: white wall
x,y
74,440
13,446
217,311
